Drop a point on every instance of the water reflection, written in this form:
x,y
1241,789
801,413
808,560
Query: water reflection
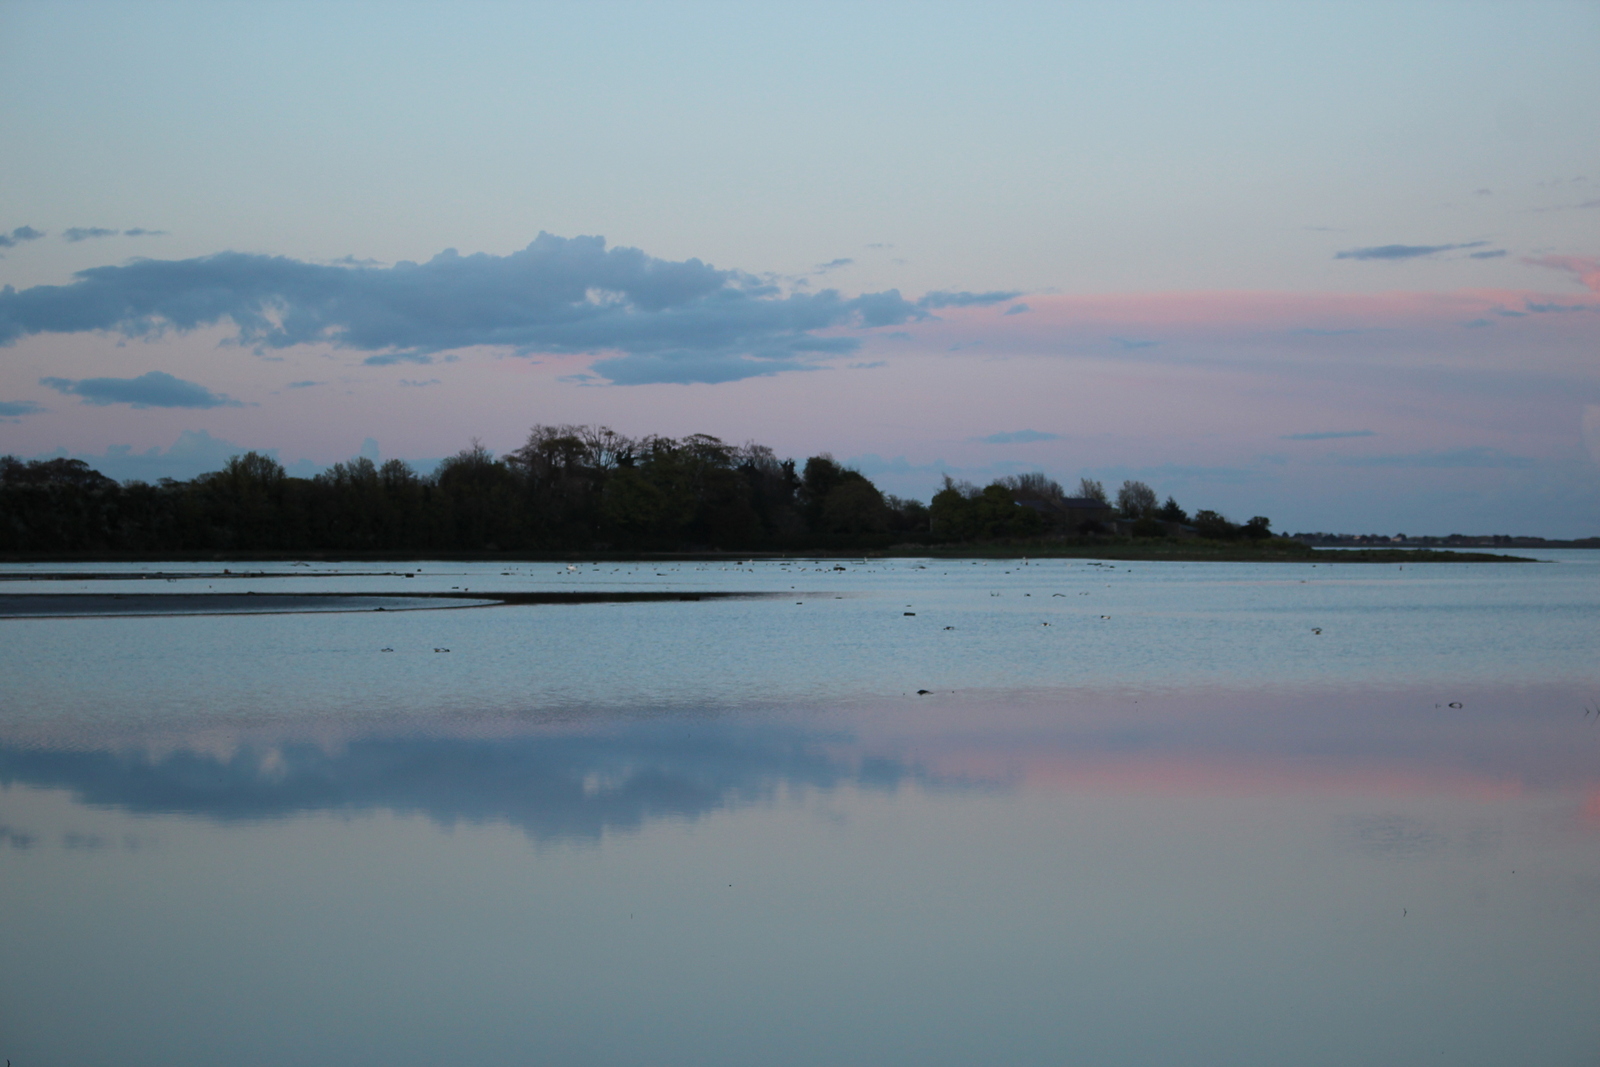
x,y
550,786
1397,835
619,770
1318,876
1196,832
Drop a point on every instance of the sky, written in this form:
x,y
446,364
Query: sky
x,y
1336,264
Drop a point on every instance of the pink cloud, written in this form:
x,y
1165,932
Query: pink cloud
x,y
1587,268
1228,311
1226,325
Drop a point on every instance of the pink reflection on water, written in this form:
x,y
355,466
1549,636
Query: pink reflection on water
x,y
1176,776
1482,743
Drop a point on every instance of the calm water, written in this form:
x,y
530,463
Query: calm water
x,y
1143,813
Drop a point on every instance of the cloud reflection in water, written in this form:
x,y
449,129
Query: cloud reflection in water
x,y
580,781
557,786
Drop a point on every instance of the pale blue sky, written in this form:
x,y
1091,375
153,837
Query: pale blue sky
x,y
1057,151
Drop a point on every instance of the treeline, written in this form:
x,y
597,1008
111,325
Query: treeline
x,y
1034,505
568,488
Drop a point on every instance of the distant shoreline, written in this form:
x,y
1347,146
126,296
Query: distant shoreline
x,y
1275,551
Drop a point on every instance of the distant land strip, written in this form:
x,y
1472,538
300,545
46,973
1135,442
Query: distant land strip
x,y
587,492
1276,550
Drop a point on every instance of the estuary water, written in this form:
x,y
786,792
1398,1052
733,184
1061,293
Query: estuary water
x,y
800,812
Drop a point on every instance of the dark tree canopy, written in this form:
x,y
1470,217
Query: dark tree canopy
x,y
567,488
1136,500
1171,512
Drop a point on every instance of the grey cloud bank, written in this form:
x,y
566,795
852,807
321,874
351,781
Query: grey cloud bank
x,y
965,300
74,234
666,321
1468,458
1019,437
1329,435
14,408
19,235
1403,251
157,389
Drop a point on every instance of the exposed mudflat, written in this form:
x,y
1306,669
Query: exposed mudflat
x,y
35,605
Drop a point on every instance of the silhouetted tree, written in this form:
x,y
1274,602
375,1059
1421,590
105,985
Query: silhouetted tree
x,y
817,480
958,513
1211,524
1033,486
772,488
1258,528
566,488
248,504
1171,512
1136,500
908,519
59,504
480,495
854,508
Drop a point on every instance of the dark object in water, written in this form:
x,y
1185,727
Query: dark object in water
x,y
1455,703
923,692
441,650
908,613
